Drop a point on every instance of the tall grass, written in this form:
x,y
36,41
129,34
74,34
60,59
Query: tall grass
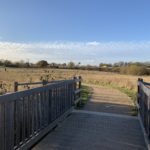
x,y
122,82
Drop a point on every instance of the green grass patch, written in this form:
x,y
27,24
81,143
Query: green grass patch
x,y
85,95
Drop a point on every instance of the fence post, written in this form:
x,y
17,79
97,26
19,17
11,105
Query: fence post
x,y
15,86
74,89
44,82
138,90
80,78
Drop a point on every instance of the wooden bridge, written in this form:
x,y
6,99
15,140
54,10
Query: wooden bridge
x,y
44,118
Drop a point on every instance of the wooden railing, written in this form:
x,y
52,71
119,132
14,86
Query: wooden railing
x,y
26,116
144,104
28,84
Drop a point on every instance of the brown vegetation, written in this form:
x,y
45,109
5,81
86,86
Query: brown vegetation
x,y
8,77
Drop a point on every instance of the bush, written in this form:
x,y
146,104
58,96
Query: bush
x,y
134,70
42,63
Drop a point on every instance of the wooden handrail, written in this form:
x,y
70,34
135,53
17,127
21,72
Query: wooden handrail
x,y
27,116
143,99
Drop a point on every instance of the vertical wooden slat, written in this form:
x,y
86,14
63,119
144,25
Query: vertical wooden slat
x,y
43,109
149,116
65,90
52,103
36,113
46,107
23,118
9,126
61,97
50,106
39,112
56,100
26,117
17,123
2,127
60,103
55,104
33,113
68,96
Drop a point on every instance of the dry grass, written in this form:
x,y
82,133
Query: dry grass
x,y
8,77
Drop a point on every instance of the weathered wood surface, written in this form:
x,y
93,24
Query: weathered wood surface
x,y
28,115
98,128
144,104
90,131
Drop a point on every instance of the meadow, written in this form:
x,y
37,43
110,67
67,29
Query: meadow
x,y
125,83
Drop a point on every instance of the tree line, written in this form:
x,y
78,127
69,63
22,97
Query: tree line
x,y
134,68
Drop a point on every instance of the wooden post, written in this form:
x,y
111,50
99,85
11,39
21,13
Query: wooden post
x,y
44,82
75,87
75,83
140,97
138,88
138,91
15,86
80,78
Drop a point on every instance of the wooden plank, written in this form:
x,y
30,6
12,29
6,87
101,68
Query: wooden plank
x,y
46,107
32,111
54,108
26,116
23,120
145,89
77,100
39,112
17,123
9,126
78,91
2,127
17,95
36,138
36,113
50,106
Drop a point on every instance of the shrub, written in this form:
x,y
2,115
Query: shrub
x,y
42,63
134,70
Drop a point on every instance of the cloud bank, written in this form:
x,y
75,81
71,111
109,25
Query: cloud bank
x,y
85,52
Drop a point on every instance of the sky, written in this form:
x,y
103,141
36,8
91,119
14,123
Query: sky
x,y
86,31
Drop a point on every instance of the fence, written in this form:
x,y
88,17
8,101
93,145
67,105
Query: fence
x,y
144,104
26,116
44,82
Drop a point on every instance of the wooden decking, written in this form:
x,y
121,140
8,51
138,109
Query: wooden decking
x,y
105,123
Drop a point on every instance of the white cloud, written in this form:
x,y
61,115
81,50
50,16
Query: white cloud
x,y
94,43
85,52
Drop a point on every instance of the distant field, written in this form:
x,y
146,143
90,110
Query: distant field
x,y
8,77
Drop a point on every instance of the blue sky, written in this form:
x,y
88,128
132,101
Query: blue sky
x,y
86,31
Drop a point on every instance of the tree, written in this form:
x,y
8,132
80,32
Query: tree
x,y
71,65
42,63
7,63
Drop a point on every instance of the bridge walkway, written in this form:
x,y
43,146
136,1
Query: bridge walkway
x,y
105,123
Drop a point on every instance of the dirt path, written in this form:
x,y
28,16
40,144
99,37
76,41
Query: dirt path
x,y
110,101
